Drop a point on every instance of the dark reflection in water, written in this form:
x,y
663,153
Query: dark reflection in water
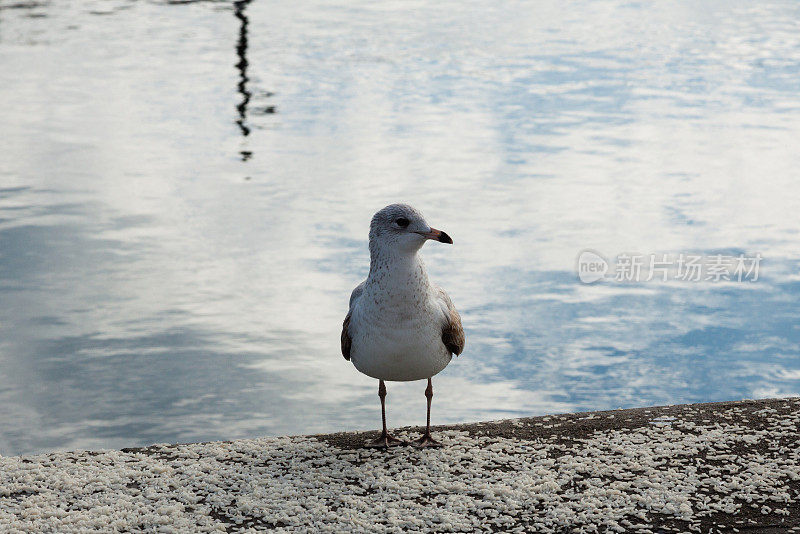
x,y
239,7
148,293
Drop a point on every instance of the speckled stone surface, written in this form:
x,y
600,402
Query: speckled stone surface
x,y
722,467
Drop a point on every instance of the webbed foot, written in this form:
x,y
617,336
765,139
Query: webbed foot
x,y
385,441
427,441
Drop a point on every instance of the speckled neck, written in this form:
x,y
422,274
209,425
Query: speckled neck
x,y
393,261
397,272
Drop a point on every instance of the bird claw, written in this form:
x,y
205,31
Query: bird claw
x,y
385,441
427,441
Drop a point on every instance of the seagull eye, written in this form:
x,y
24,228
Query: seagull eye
x,y
402,222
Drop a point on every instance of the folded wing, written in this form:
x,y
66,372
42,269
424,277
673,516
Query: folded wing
x,y
452,331
346,338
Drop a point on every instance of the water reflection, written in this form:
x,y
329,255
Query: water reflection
x,y
147,293
241,51
242,65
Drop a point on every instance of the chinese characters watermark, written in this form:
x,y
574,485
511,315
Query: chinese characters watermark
x,y
592,266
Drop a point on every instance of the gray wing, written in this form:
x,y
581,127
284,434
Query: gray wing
x,y
346,339
452,331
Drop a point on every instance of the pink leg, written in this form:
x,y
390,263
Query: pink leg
x,y
385,440
427,440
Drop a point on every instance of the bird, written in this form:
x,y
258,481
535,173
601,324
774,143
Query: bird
x,y
400,326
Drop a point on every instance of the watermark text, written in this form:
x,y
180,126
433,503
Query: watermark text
x,y
684,267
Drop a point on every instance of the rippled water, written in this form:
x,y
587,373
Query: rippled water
x,y
185,190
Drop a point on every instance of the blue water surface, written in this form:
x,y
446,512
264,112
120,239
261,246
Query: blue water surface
x,y
186,186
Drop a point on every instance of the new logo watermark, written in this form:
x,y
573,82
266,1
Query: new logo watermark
x,y
593,266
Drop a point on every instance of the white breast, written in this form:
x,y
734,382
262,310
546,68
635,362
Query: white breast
x,y
398,337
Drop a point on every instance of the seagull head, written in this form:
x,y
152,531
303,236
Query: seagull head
x,y
400,227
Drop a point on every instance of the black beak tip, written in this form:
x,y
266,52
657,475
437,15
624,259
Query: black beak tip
x,y
444,238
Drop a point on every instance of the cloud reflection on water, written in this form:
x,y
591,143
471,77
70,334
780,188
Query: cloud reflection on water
x,y
151,293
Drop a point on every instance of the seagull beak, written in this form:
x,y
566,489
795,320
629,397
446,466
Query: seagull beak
x,y
437,235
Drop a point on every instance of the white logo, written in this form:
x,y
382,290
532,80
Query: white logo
x,y
591,266
718,268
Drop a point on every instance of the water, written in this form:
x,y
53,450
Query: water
x,y
185,190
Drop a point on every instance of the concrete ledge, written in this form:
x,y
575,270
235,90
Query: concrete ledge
x,y
721,467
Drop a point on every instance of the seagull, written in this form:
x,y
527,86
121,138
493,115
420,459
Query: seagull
x,y
401,326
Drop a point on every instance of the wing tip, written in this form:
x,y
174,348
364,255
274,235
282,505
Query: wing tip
x,y
453,333
346,340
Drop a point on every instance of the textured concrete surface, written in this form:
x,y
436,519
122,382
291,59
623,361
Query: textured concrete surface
x,y
722,467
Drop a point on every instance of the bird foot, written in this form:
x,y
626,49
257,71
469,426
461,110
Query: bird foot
x,y
427,441
385,441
